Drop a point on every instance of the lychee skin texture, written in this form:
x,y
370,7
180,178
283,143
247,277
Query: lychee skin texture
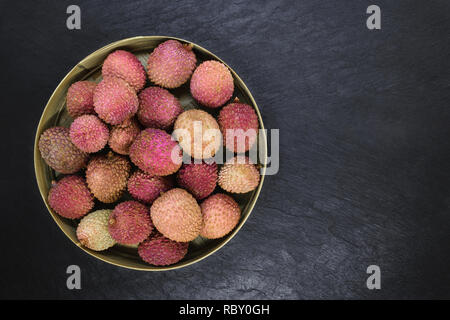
x,y
158,108
88,133
198,133
122,136
212,84
146,188
238,175
171,64
59,152
220,215
123,64
200,179
152,152
70,197
160,251
239,124
129,223
80,98
107,176
177,215
92,231
115,100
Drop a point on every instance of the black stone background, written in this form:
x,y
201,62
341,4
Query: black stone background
x,y
364,123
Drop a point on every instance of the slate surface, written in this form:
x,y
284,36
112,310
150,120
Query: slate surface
x,y
364,144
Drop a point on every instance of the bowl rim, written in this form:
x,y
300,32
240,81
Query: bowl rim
x,y
249,206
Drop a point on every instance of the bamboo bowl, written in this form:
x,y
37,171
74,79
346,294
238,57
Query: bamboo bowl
x,y
55,114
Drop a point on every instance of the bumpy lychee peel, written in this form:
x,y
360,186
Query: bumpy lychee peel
x,y
146,188
161,251
152,152
171,64
107,176
158,108
92,231
122,136
198,133
88,133
212,84
239,125
129,223
199,179
220,215
125,65
70,197
177,215
59,152
80,98
115,100
238,175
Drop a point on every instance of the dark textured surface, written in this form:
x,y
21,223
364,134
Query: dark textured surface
x,y
364,124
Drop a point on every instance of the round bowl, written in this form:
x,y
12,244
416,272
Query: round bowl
x,y
55,113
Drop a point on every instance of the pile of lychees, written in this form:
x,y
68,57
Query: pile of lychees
x,y
119,142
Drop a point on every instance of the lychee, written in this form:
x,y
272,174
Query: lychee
x,y
212,84
122,136
129,222
158,108
123,64
161,251
177,215
238,175
115,100
92,231
70,197
220,215
59,152
239,125
89,133
80,98
199,179
198,133
147,188
107,176
171,64
155,153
